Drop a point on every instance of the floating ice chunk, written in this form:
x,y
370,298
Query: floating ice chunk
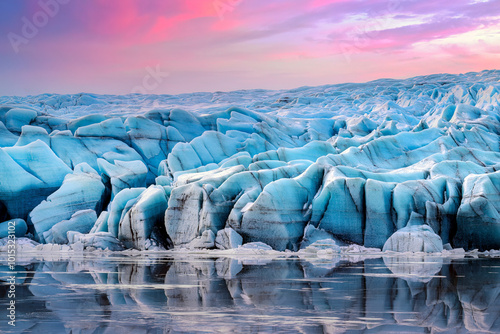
x,y
99,240
321,248
228,238
22,244
50,248
354,248
255,246
414,238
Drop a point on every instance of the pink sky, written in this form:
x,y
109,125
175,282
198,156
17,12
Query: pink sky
x,y
104,46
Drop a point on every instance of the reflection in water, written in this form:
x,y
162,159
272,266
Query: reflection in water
x,y
169,295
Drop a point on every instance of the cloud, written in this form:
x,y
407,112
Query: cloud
x,y
110,43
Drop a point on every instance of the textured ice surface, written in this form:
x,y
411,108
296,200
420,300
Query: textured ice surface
x,y
109,293
414,238
99,240
351,163
81,190
17,227
228,239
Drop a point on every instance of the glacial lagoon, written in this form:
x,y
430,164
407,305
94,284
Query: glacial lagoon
x,y
174,293
289,177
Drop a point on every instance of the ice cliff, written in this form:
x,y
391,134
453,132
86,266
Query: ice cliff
x,y
394,164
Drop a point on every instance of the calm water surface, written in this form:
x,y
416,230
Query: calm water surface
x,y
172,294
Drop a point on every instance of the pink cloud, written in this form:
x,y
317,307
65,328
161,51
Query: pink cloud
x,y
321,3
256,43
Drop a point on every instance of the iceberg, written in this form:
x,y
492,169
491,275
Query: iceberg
x,y
414,238
99,240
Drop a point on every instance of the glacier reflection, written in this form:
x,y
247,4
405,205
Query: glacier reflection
x,y
170,294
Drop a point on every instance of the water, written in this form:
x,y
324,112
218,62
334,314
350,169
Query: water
x,y
172,294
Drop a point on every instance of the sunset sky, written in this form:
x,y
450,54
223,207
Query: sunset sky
x,y
104,46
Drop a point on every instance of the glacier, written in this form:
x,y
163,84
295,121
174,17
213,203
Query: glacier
x,y
398,165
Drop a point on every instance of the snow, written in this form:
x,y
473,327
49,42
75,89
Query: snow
x,y
351,163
